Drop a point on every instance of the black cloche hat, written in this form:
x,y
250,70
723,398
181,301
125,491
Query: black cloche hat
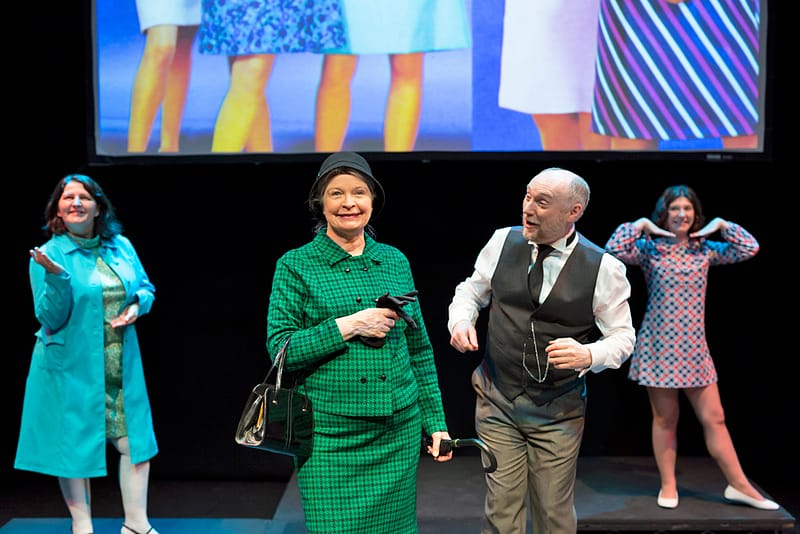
x,y
353,161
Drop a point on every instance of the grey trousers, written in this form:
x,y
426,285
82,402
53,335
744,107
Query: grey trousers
x,y
537,456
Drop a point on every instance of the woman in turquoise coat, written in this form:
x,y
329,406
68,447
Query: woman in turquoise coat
x,y
86,385
369,371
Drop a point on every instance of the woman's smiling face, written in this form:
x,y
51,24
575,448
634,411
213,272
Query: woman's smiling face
x,y
680,216
78,209
347,205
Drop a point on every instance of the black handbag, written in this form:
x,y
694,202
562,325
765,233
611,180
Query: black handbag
x,y
275,418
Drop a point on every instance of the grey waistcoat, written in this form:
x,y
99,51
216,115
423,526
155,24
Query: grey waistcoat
x,y
567,312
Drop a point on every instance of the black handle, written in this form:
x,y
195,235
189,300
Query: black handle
x,y
446,445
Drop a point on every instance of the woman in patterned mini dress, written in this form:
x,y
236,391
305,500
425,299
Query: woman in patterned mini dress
x,y
671,353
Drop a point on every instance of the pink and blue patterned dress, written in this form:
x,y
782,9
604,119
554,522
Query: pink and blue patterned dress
x,y
671,349
240,27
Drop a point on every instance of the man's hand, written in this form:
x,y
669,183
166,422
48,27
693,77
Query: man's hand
x,y
464,337
567,353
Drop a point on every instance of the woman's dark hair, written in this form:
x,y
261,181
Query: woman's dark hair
x,y
661,211
318,189
106,224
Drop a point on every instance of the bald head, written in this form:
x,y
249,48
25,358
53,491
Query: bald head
x,y
565,185
554,200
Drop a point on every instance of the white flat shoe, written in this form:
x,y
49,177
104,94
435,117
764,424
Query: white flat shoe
x,y
732,494
665,502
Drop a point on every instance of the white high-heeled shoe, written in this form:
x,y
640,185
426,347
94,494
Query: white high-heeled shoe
x,y
732,494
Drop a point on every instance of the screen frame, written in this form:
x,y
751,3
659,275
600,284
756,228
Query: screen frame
x,y
765,154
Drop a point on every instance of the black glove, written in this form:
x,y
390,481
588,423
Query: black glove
x,y
397,303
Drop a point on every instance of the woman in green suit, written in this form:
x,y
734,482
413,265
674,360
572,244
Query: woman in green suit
x,y
369,373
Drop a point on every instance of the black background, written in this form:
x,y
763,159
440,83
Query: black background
x,y
209,234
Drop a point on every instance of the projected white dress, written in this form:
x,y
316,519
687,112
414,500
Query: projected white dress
x,y
547,56
677,71
399,27
177,12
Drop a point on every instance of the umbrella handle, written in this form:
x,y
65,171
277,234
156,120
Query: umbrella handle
x,y
446,445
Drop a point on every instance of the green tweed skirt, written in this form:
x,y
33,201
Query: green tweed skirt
x,y
362,474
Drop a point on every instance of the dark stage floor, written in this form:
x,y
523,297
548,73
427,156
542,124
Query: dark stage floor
x,y
613,494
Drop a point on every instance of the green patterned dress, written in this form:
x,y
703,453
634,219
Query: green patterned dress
x,y
113,299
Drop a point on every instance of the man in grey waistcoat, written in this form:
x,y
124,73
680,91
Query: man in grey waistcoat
x,y
558,308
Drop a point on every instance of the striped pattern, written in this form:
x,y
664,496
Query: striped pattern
x,y
677,71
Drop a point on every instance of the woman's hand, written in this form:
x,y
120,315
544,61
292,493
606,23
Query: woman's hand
x,y
650,228
128,316
433,449
713,225
44,260
370,323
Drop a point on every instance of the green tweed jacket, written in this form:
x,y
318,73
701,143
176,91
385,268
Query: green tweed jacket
x,y
319,282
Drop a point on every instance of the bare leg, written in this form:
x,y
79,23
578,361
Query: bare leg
x,y
740,142
260,138
558,131
244,105
708,408
620,143
77,494
589,139
133,485
666,410
176,90
404,103
149,85
569,131
334,102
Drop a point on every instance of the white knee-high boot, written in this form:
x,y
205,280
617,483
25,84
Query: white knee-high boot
x,y
133,485
77,494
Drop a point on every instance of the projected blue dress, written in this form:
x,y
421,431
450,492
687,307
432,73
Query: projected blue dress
x,y
392,27
688,70
239,27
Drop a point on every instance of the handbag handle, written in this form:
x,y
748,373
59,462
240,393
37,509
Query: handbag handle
x,y
277,363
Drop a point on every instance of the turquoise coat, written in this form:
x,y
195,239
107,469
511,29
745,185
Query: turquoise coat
x,y
63,429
